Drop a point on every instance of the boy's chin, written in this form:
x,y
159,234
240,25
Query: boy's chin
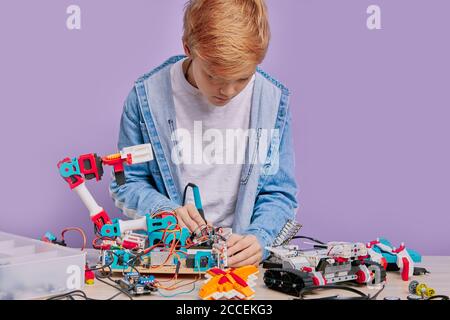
x,y
218,102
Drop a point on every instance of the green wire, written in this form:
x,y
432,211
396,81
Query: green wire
x,y
175,294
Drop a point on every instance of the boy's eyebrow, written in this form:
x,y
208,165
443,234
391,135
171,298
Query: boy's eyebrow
x,y
205,67
245,76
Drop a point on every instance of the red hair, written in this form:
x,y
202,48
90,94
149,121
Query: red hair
x,y
229,35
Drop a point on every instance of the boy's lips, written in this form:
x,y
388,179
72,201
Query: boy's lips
x,y
221,99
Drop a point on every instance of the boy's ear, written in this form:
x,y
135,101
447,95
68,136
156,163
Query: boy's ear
x,y
187,51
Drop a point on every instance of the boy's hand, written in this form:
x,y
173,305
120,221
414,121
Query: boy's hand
x,y
243,250
189,217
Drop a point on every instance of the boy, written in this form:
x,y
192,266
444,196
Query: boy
x,y
218,87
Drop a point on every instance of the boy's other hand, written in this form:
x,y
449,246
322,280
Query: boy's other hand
x,y
243,250
189,217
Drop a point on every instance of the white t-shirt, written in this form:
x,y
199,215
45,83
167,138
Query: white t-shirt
x,y
211,162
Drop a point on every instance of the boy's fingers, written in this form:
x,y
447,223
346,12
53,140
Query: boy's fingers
x,y
183,215
246,257
232,239
253,260
242,244
181,223
194,214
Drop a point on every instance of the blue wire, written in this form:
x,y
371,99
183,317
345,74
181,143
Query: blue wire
x,y
176,294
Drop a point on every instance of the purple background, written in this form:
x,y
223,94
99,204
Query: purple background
x,y
371,109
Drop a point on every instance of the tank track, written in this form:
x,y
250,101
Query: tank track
x,y
288,281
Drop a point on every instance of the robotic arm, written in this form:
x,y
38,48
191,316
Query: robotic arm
x,y
89,166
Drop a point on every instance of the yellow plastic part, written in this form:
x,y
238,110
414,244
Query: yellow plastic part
x,y
213,286
113,156
89,282
422,289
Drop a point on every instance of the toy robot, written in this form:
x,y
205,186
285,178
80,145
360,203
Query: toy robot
x,y
291,269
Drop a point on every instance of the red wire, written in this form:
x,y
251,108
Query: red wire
x,y
78,230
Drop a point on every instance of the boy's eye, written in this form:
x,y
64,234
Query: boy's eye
x,y
209,75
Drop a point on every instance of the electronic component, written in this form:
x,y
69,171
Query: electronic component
x,y
135,284
154,243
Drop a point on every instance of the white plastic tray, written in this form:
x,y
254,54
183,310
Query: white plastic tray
x,y
32,269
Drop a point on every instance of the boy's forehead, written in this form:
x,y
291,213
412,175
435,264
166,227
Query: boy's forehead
x,y
222,73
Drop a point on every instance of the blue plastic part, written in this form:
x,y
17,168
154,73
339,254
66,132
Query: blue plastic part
x,y
111,230
68,169
131,274
182,236
391,258
50,236
198,256
197,198
146,279
154,238
154,224
139,280
126,256
108,259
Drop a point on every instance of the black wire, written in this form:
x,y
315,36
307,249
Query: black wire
x,y
132,266
309,238
361,295
106,275
375,296
70,295
114,286
327,287
184,193
439,296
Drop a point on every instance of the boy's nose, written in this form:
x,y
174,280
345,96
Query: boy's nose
x,y
227,91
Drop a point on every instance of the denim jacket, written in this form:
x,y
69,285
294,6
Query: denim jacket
x,y
267,192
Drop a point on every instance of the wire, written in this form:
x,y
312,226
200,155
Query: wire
x,y
375,296
102,266
172,249
71,294
115,287
176,294
104,272
97,246
83,234
361,295
108,276
81,294
438,297
184,193
175,285
309,238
